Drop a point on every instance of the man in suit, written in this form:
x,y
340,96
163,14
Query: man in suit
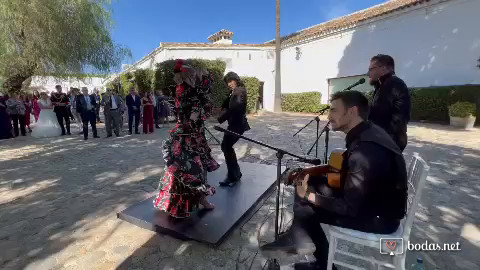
x,y
234,111
60,102
133,105
112,104
86,106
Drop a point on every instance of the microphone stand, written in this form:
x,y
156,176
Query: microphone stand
x,y
280,153
317,118
325,129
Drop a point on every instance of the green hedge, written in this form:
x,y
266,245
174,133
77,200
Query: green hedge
x,y
302,102
144,80
431,103
163,77
253,91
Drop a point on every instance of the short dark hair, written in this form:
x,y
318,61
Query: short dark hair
x,y
384,60
232,76
351,99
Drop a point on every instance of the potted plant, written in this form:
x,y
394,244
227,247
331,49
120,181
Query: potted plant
x,y
462,114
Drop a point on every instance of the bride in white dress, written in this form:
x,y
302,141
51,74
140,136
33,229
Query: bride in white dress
x,y
47,124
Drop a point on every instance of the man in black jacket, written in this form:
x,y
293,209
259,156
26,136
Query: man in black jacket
x,y
391,103
373,186
234,111
133,104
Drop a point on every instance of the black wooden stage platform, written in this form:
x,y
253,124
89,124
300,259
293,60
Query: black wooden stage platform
x,y
232,206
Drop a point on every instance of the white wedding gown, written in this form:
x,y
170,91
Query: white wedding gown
x,y
47,124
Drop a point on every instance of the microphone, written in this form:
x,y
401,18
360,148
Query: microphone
x,y
322,111
361,81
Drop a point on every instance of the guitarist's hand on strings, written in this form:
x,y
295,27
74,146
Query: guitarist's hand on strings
x,y
302,185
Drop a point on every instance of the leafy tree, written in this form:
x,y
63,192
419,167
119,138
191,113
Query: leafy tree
x,y
39,37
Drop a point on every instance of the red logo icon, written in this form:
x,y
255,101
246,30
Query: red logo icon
x,y
391,244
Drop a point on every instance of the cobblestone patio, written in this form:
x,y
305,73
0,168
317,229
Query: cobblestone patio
x,y
59,198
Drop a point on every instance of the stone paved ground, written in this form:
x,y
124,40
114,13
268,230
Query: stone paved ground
x,y
59,198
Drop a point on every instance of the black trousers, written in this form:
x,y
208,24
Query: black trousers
x,y
131,114
230,155
90,116
63,113
307,219
18,119
97,111
155,116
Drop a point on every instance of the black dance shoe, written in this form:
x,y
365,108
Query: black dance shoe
x,y
229,182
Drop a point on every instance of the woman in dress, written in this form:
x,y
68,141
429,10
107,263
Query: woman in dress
x,y
47,125
147,103
35,107
6,129
28,110
183,186
163,108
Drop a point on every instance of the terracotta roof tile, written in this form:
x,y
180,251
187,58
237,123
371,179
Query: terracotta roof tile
x,y
210,45
349,20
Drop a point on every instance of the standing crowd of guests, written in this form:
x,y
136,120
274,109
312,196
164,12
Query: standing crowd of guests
x,y
53,114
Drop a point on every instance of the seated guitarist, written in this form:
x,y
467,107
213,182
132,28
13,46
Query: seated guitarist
x,y
371,196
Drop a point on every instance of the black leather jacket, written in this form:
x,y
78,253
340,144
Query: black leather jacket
x,y
373,193
391,108
234,111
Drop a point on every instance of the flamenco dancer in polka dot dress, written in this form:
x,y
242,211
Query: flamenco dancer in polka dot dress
x,y
183,187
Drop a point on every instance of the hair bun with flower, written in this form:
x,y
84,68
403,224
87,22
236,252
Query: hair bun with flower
x,y
178,65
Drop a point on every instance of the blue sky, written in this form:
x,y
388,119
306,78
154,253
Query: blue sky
x,y
142,24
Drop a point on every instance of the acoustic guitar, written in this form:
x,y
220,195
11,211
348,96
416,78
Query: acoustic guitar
x,y
331,170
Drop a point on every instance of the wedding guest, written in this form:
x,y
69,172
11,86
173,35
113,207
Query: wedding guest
x,y
133,105
112,105
35,106
16,110
60,102
163,109
28,110
98,100
6,128
86,106
147,103
73,108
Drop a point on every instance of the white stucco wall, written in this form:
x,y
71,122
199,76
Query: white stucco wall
x,y
48,83
437,44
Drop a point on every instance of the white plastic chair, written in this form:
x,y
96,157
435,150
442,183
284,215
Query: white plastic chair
x,y
417,173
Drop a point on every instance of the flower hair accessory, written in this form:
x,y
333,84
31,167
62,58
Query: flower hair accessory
x,y
178,66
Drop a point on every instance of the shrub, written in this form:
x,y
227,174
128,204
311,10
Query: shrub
x,y
462,109
115,84
163,77
430,103
144,80
253,91
302,102
126,79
